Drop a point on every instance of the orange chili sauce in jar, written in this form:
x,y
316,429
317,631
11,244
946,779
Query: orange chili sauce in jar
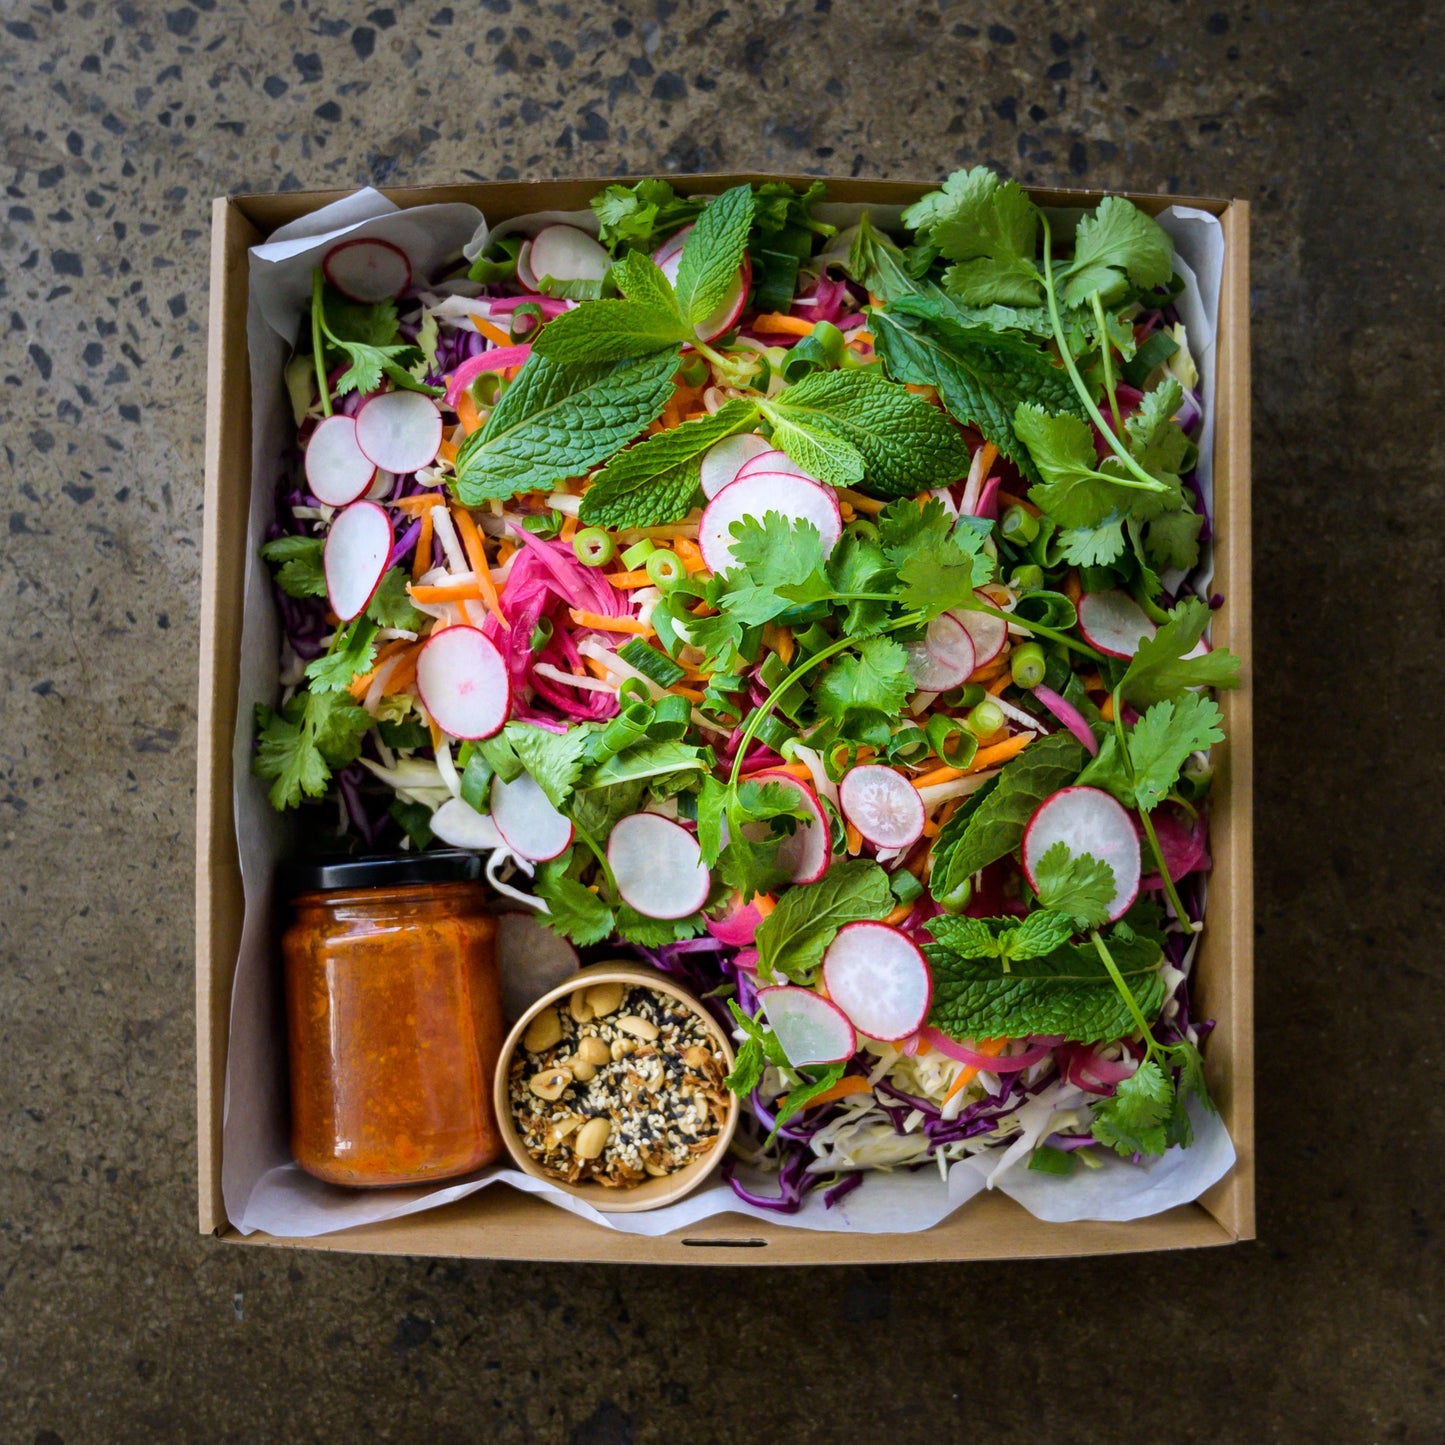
x,y
394,1018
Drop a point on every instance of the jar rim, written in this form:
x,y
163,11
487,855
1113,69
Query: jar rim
x,y
384,870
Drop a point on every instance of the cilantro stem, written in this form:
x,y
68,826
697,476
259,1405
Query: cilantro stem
x,y
1097,302
317,349
1171,892
601,857
1125,992
1037,629
1115,445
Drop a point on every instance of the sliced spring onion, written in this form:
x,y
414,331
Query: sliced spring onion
x,y
986,719
594,547
664,567
651,663
951,740
1027,665
638,553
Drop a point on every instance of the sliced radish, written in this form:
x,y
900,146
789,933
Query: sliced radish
x,y
1087,820
458,823
400,430
807,851
658,866
367,270
529,824
463,683
525,274
533,960
810,1029
668,258
337,470
773,461
721,465
739,924
878,977
566,254
358,547
988,634
795,498
944,658
882,805
1113,622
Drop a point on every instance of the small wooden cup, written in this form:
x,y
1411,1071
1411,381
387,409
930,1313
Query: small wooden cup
x,y
651,1193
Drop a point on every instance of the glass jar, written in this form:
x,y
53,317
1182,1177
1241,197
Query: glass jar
x,y
394,1019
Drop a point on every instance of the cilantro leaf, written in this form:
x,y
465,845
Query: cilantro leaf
x,y
1162,740
801,1095
1172,539
556,421
1160,668
300,573
609,329
1134,1120
712,253
1093,546
642,214
1068,991
1107,770
1115,247
875,678
366,336
1156,441
994,826
656,481
778,206
351,655
778,565
990,229
1078,885
981,375
749,859
297,748
792,939
760,1049
905,443
390,605
655,932
939,560
555,760
574,911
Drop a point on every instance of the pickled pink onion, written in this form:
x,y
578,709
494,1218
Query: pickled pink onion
x,y
1070,716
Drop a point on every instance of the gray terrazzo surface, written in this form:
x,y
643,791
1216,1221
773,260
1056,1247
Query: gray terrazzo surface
x,y
117,1322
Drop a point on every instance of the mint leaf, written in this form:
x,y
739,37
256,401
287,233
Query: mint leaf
x,y
642,280
1118,246
794,936
609,330
881,268
819,451
906,444
1134,1120
390,606
656,481
1040,933
1033,936
1067,992
557,420
990,229
875,678
351,655
1077,885
995,825
1162,740
712,253
1160,670
300,572
981,375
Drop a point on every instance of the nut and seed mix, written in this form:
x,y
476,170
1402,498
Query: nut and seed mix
x,y
617,1084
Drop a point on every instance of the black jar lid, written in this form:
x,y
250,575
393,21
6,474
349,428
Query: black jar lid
x,y
378,870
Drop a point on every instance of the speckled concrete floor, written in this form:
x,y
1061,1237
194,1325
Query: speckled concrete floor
x,y
119,123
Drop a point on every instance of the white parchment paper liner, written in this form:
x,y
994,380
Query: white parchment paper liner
x,y
263,1188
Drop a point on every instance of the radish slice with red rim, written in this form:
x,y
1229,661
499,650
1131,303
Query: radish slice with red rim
x,y
533,960
668,256
807,851
400,430
337,470
795,498
1114,623
1087,820
526,819
879,978
944,658
668,259
458,823
367,270
988,634
525,274
810,1029
882,805
773,461
738,926
566,254
358,547
658,866
722,464
463,684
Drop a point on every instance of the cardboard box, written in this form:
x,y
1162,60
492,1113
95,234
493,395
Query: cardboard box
x,y
502,1224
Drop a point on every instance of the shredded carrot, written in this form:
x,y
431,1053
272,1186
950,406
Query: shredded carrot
x,y
422,502
1072,589
477,556
899,914
640,578
403,676
1007,499
999,683
775,323
946,812
937,776
990,670
990,1048
848,1084
871,505
1106,708
467,413
991,757
421,561
703,609
596,668
930,828
779,639
359,685
1092,682
505,548
690,553
989,453
569,528
794,770
855,841
764,903
866,337
598,623
846,508
436,735
448,592
491,331
692,694
448,450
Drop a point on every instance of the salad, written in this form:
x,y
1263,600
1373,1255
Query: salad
x,y
813,613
